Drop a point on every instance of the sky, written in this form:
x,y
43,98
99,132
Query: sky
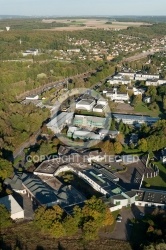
x,y
82,7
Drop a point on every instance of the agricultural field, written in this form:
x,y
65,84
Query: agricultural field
x,y
81,24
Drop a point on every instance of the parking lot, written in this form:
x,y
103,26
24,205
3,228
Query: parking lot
x,y
123,229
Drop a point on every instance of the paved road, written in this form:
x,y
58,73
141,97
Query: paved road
x,y
143,55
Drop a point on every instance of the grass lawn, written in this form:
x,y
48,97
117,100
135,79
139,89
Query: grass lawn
x,y
158,182
142,108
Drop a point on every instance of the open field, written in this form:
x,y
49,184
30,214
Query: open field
x,y
81,24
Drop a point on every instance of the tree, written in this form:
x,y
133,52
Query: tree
x,y
137,99
120,138
151,91
118,147
121,126
5,220
142,145
164,102
107,147
6,169
113,124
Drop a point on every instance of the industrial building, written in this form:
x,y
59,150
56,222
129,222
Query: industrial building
x,y
134,119
59,121
151,198
89,121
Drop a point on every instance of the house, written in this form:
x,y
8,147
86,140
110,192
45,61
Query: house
x,y
147,99
59,121
32,97
163,155
137,91
86,104
133,139
16,211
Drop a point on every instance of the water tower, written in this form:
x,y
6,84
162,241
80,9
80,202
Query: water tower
x,y
7,28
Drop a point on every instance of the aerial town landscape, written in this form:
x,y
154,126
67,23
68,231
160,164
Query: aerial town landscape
x,y
83,129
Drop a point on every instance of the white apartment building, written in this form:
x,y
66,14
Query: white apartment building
x,y
115,96
86,104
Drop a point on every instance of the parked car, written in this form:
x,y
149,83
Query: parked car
x,y
118,220
142,214
119,217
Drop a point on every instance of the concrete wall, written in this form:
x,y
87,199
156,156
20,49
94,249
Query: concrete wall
x,y
118,207
149,204
18,215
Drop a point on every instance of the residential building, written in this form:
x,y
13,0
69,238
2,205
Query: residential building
x,y
118,79
59,121
144,76
115,96
32,97
129,75
155,82
33,52
15,210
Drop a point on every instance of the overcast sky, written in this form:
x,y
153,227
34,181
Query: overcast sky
x,y
82,7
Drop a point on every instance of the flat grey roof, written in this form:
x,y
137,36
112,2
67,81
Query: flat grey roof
x,y
152,197
42,192
135,117
85,102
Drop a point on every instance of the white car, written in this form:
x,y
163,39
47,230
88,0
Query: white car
x,y
118,220
142,214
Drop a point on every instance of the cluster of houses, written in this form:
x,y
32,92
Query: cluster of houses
x,y
125,78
